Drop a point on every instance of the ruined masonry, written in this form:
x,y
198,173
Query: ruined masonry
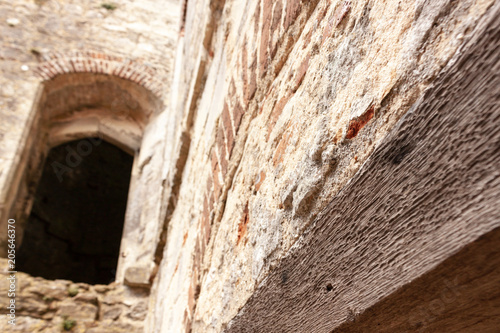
x,y
250,166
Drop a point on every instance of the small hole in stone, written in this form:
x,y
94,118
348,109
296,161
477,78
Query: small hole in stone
x,y
329,287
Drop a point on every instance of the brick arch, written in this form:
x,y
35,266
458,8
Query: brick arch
x,y
82,94
58,63
73,104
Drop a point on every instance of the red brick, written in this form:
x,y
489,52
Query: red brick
x,y
252,85
232,88
217,184
242,226
214,159
238,112
209,193
228,130
206,221
206,209
219,138
275,32
341,12
277,12
256,19
277,110
260,180
301,72
307,39
211,197
223,160
327,31
95,62
244,69
226,119
336,18
280,150
265,36
221,146
215,176
357,124
292,11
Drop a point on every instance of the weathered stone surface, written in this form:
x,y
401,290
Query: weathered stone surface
x,y
116,327
391,223
28,324
134,42
43,305
268,112
79,311
305,103
110,312
138,311
106,50
137,277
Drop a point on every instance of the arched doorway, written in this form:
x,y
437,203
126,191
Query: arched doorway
x,y
74,106
75,226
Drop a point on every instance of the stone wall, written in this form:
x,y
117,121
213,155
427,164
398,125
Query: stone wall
x,y
61,306
35,32
74,69
266,110
49,45
279,104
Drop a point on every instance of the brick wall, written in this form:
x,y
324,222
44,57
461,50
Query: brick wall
x,y
271,107
56,63
107,70
292,97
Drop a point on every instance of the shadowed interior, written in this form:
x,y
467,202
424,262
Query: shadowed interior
x,y
75,226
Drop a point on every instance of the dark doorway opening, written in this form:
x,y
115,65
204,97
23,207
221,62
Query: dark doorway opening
x,y
76,223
